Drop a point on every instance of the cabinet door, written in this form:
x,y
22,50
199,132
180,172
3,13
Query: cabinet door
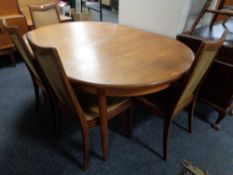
x,y
5,41
20,22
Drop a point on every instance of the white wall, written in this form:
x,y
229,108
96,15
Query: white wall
x,y
167,17
194,11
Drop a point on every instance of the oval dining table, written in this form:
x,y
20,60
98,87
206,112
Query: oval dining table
x,y
115,60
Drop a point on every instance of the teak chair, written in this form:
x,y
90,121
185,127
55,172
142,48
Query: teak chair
x,y
43,15
219,10
84,107
28,59
168,103
96,6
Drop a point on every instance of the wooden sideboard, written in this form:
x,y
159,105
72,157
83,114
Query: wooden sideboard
x,y
10,11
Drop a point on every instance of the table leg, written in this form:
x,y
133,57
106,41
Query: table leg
x,y
103,122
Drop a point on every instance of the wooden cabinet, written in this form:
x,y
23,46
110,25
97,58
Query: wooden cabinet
x,y
5,42
9,10
217,89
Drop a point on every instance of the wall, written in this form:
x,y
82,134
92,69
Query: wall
x,y
194,11
166,17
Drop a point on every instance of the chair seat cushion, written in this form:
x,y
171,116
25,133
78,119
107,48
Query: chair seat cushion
x,y
90,104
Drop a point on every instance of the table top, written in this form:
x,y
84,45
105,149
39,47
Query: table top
x,y
120,59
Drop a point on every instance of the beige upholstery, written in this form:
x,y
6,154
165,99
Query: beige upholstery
x,y
90,106
43,15
200,69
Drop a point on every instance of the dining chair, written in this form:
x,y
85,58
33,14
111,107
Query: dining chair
x,y
29,61
220,9
168,103
89,110
95,6
43,15
19,43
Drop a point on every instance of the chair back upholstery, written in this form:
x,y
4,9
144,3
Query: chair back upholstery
x,y
43,15
53,73
202,62
19,43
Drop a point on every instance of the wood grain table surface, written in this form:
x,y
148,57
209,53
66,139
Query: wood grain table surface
x,y
121,60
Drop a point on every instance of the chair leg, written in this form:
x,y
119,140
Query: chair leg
x,y
167,124
190,115
85,137
55,115
103,124
12,58
130,122
37,94
221,116
57,121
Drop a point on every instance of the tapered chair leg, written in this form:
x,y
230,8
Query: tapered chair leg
x,y
190,116
221,116
57,120
231,112
37,94
85,137
12,58
130,122
167,125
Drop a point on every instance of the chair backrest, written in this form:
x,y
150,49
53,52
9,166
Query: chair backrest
x,y
53,73
219,9
19,43
199,68
43,15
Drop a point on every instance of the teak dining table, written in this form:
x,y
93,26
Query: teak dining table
x,y
115,60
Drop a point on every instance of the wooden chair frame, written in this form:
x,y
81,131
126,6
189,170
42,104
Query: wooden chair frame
x,y
220,62
178,104
28,59
43,8
75,107
219,10
100,10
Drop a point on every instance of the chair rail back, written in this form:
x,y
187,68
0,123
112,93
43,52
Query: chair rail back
x,y
43,15
20,44
51,68
197,72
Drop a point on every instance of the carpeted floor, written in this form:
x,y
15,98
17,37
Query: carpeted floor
x,y
27,145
